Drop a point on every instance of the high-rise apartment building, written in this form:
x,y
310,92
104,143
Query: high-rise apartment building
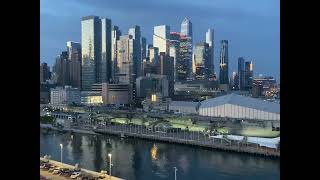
x,y
161,38
96,50
153,55
74,56
223,76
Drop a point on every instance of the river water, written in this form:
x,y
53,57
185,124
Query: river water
x,y
136,159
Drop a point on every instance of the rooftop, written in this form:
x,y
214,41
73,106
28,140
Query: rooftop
x,y
245,101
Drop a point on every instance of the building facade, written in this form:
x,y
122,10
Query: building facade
x,y
44,72
136,53
241,73
166,68
116,94
152,83
65,95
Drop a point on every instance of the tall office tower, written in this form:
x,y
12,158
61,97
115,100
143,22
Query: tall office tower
x,y
137,61
201,65
248,75
223,76
210,41
104,72
61,69
165,67
125,73
74,56
175,51
44,72
116,33
184,64
96,50
186,27
241,73
153,55
91,50
161,38
143,53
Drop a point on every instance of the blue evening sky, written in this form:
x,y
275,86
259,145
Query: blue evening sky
x,y
252,27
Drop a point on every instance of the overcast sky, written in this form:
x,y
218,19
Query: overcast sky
x,y
252,27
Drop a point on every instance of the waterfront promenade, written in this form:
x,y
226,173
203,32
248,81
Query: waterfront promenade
x,y
181,137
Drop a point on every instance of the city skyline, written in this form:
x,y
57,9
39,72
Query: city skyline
x,y
251,29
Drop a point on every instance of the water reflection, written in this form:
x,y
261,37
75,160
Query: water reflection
x,y
144,160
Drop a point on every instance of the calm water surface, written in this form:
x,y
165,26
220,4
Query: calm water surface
x,y
136,159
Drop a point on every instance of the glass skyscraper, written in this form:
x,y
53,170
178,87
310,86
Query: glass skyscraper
x,y
186,46
175,51
161,38
96,50
137,61
201,64
223,76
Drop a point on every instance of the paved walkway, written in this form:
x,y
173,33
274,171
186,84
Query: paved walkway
x,y
52,176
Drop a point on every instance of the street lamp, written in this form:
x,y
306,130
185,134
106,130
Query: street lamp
x,y
175,173
61,147
110,164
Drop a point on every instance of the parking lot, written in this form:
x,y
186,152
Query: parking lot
x,y
56,170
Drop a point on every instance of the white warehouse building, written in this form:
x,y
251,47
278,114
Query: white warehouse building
x,y
237,106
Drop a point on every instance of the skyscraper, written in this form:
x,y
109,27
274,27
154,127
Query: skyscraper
x,y
74,56
44,72
223,76
201,64
143,42
104,72
96,50
241,73
61,69
116,33
175,51
165,67
210,41
186,27
125,74
137,61
91,50
248,75
161,38
184,63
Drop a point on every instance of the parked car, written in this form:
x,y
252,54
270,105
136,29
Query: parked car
x,y
56,171
74,175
